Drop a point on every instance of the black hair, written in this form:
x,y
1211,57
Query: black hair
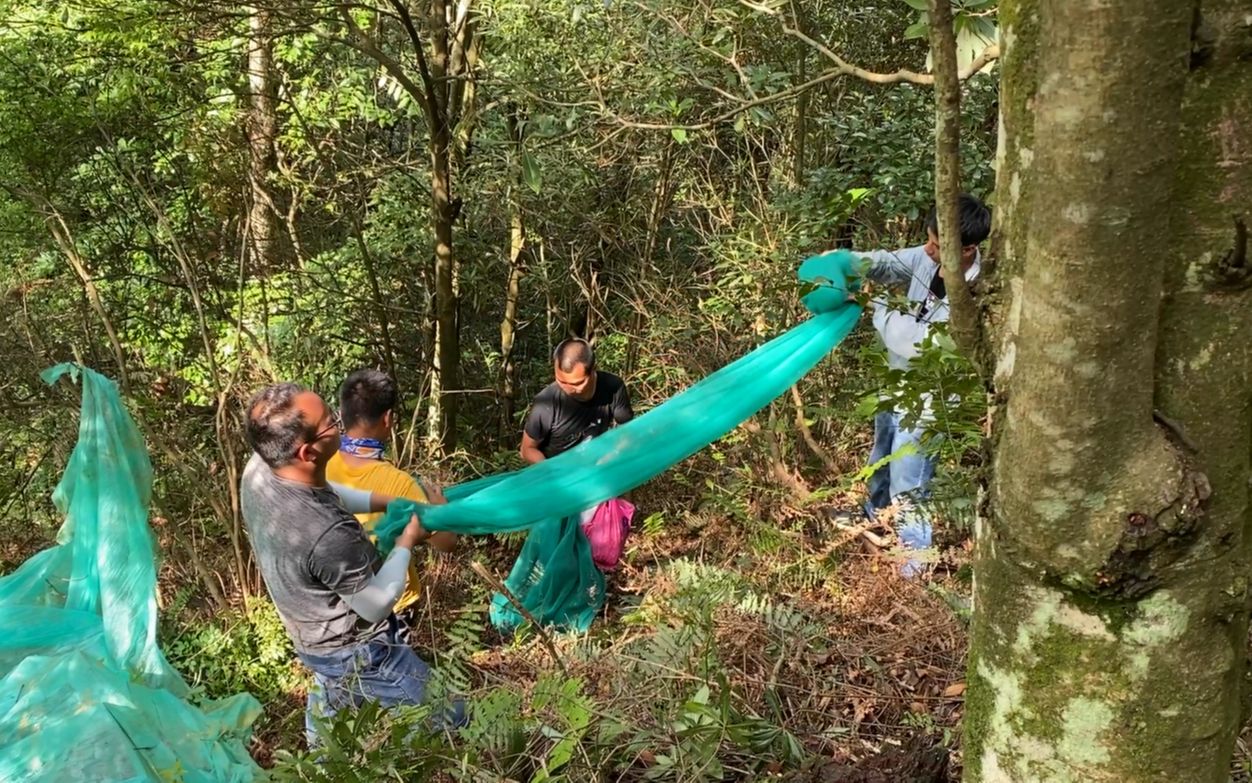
x,y
275,426
573,352
974,216
366,396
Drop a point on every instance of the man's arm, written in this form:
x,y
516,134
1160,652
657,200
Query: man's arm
x,y
622,411
891,267
360,501
344,561
376,598
534,432
530,450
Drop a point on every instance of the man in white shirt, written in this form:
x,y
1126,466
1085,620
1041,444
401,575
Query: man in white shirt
x,y
903,332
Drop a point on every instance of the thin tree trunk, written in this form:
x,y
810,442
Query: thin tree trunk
x,y
443,399
380,304
800,132
963,326
1111,601
508,324
262,128
662,197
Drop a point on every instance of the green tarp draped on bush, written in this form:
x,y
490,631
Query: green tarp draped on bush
x,y
85,692
554,578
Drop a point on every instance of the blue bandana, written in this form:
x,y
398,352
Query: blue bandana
x,y
366,448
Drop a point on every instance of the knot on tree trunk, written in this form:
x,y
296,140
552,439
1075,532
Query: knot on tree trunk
x,y
1152,542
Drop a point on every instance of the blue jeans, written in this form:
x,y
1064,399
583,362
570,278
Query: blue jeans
x,y
385,669
907,475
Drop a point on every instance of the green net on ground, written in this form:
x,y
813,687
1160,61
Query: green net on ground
x,y
85,692
554,578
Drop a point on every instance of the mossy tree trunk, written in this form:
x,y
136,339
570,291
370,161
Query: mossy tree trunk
x,y
1111,602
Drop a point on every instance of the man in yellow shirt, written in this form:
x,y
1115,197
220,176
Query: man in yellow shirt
x,y
367,402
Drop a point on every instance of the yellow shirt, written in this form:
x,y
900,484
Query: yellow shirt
x,y
385,478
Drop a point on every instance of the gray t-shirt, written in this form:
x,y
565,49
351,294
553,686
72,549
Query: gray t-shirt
x,y
310,552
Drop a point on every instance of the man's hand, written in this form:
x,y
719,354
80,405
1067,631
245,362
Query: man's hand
x,y
412,534
434,494
440,540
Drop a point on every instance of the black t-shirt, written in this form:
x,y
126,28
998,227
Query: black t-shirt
x,y
558,422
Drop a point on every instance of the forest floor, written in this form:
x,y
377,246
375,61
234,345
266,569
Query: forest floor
x,y
870,668
808,623
873,687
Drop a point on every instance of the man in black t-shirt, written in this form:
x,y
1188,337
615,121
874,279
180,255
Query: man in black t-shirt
x,y
582,403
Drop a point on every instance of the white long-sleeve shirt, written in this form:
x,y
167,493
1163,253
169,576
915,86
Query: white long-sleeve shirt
x,y
903,331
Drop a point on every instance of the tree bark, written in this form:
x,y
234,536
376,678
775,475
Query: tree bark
x,y
447,337
1111,602
262,129
508,324
964,325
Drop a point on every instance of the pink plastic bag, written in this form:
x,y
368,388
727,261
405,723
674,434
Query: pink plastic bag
x,y
606,527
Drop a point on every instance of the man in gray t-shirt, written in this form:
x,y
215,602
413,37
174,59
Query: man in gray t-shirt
x,y
311,552
333,591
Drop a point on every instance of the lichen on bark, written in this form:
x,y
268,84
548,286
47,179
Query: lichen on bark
x,y
1111,601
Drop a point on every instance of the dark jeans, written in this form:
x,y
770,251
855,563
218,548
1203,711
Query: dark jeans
x,y
385,669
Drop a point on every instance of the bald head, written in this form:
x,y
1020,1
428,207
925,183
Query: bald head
x,y
572,354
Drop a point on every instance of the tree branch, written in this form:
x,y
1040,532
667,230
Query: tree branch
x,y
807,433
790,92
540,630
64,239
990,54
363,44
433,108
842,68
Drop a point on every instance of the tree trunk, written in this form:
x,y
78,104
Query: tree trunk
x,y
447,339
963,325
1111,604
508,324
262,129
800,131
447,348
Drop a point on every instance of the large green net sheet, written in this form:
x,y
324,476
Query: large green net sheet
x,y
554,577
85,692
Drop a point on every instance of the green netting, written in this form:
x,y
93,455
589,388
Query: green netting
x,y
554,578
85,692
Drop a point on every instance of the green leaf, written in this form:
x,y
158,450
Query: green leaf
x,y
984,27
917,30
680,135
920,5
530,172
